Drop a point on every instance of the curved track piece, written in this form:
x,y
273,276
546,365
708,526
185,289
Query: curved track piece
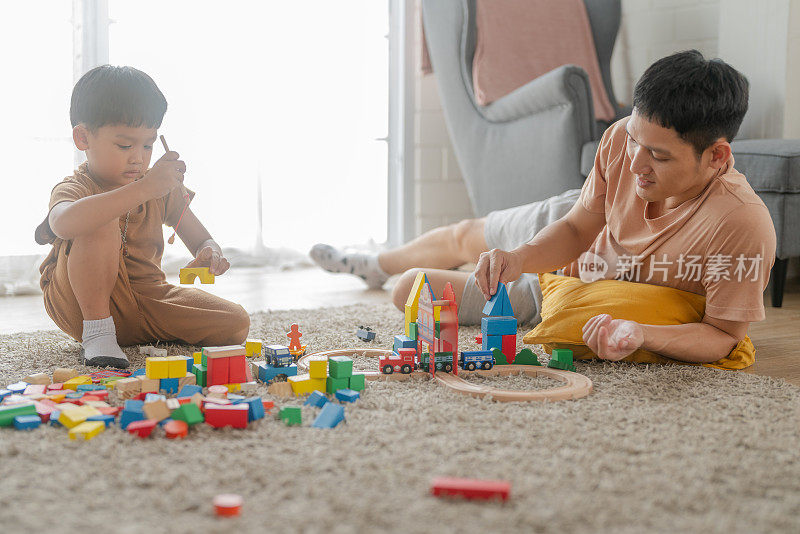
x,y
576,385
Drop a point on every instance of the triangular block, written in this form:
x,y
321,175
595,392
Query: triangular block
x,y
499,305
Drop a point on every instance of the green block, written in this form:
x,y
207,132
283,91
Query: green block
x,y
561,359
526,357
199,372
412,330
110,379
291,415
8,413
358,382
189,412
340,367
335,384
438,328
499,357
203,359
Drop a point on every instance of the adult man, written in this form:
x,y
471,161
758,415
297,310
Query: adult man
x,y
662,205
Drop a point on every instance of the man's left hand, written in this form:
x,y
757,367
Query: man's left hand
x,y
612,339
212,258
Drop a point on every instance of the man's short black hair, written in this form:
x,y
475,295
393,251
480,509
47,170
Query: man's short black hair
x,y
116,95
701,99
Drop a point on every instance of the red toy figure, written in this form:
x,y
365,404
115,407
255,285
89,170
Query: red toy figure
x,y
294,336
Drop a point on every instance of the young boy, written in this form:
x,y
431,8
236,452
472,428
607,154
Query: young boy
x,y
102,281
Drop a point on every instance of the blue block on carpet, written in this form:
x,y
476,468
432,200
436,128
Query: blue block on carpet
x,y
331,415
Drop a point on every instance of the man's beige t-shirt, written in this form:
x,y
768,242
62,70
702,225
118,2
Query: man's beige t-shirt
x,y
144,235
720,244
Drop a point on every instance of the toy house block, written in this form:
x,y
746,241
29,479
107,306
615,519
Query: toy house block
x,y
156,367
526,357
27,422
237,370
156,410
561,359
252,347
189,412
217,371
291,415
280,389
498,326
62,374
330,416
200,374
492,342
340,366
499,357
403,342
318,367
232,415
358,382
142,428
470,488
187,275
347,395
255,408
198,357
87,430
317,398
499,305
335,384
168,385
189,389
188,380
509,347
38,379
73,383
148,385
75,416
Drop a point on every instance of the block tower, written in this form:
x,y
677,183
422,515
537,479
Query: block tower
x,y
499,327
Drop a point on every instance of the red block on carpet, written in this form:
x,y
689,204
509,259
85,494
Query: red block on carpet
x,y
142,428
510,347
220,416
470,488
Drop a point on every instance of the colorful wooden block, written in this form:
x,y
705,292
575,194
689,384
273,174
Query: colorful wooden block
x,y
492,342
291,415
142,428
106,419
35,389
27,422
156,367
509,347
168,385
331,415
255,408
317,398
358,382
200,374
156,410
224,352
176,429
198,357
189,389
221,416
186,380
335,384
498,326
71,418
176,367
148,385
73,383
526,357
347,395
63,374
253,347
189,412
217,371
470,488
267,372
340,366
237,370
280,389
41,379
128,387
87,430
318,367
187,275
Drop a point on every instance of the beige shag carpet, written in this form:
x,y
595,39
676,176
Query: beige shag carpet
x,y
653,449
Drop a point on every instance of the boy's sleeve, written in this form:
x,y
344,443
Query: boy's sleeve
x,y
66,191
174,203
737,264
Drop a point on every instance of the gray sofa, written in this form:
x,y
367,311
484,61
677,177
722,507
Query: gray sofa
x,y
540,140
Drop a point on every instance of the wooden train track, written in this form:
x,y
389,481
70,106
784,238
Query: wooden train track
x,y
575,385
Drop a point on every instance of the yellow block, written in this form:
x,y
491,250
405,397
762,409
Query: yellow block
x,y
73,417
176,367
412,302
233,387
87,430
198,357
318,367
73,383
253,347
157,367
304,384
188,274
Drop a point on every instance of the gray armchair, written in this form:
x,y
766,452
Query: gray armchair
x,y
527,145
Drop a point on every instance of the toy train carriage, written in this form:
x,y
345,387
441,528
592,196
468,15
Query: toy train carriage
x,y
278,355
443,361
404,361
476,359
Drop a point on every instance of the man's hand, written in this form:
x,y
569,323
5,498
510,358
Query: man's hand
x,y
164,176
211,257
612,339
494,267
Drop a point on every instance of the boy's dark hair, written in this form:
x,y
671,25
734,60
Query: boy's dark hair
x,y
701,99
116,95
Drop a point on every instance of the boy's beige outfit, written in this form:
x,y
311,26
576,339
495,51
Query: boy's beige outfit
x,y
144,306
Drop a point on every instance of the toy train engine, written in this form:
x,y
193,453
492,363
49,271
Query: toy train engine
x,y
442,361
404,361
476,359
278,355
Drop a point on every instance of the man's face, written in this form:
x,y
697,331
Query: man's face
x,y
666,167
119,154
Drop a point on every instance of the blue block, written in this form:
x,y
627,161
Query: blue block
x,y
317,398
189,363
255,408
267,372
164,421
190,389
152,397
347,395
129,416
499,326
235,399
54,415
4,393
170,385
107,419
27,422
139,372
403,342
331,415
499,305
90,387
492,342
133,405
17,387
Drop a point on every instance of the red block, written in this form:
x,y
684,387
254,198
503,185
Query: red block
x,y
110,410
101,394
268,405
510,347
176,429
234,415
237,370
217,371
57,386
142,428
44,409
470,488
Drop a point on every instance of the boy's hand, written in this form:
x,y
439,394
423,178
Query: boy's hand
x,y
612,339
212,258
164,176
494,267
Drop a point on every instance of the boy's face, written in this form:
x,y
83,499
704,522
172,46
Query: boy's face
x,y
666,167
117,154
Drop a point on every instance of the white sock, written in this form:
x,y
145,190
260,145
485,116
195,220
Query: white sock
x,y
100,347
361,264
